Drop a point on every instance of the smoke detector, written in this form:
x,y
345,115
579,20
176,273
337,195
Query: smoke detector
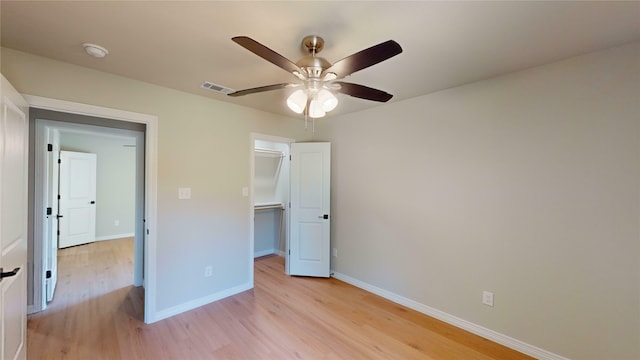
x,y
94,50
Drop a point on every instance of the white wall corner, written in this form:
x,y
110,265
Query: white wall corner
x,y
257,254
486,333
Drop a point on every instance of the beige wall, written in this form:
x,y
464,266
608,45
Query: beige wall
x,y
527,185
202,144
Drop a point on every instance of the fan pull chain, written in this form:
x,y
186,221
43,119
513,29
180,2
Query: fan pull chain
x,y
313,123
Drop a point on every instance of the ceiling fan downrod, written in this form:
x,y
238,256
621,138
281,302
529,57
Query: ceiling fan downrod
x,y
312,64
312,44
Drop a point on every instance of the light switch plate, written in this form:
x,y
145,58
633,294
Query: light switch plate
x,y
487,298
184,193
245,191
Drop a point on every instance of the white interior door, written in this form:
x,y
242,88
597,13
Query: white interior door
x,y
13,223
309,243
51,199
77,198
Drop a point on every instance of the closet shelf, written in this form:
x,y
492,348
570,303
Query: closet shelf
x,y
268,206
269,153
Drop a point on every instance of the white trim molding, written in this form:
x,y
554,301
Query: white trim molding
x,y
257,254
113,237
150,175
190,305
253,136
88,110
494,336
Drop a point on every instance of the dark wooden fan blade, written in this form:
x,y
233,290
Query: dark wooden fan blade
x,y
363,92
365,58
259,89
266,53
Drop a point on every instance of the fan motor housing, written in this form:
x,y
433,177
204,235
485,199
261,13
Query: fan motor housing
x,y
313,65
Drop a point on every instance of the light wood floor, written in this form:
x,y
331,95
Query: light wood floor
x,y
97,314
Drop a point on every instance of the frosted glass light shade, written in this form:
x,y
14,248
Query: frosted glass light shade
x,y
297,101
315,109
327,100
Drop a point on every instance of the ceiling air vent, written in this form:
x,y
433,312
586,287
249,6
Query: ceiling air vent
x,y
217,88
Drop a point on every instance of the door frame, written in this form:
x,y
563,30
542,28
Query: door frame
x,y
42,128
150,192
252,162
49,189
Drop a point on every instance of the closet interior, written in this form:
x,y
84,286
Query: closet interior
x,y
271,194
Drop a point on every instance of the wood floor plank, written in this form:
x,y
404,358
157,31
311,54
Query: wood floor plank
x,y
97,314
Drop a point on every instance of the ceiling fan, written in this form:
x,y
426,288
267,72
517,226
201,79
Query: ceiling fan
x,y
317,77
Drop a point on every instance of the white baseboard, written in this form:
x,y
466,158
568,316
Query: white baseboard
x,y
111,237
190,305
32,309
258,254
264,252
453,320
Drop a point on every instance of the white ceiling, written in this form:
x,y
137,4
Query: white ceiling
x,y
180,44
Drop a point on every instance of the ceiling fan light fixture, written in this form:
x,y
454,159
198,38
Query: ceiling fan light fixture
x,y
329,76
327,100
297,101
316,74
299,75
315,109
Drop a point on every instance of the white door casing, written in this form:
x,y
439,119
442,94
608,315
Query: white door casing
x,y
13,222
255,138
148,194
309,244
77,198
45,251
51,221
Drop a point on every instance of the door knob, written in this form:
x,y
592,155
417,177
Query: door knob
x,y
59,216
8,273
92,202
325,216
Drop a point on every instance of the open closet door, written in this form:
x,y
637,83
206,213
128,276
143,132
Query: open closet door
x,y
309,244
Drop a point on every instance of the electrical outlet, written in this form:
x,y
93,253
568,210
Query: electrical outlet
x,y
116,223
208,271
184,193
335,252
487,298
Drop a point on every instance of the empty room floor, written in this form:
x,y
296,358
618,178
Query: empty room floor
x,y
97,314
